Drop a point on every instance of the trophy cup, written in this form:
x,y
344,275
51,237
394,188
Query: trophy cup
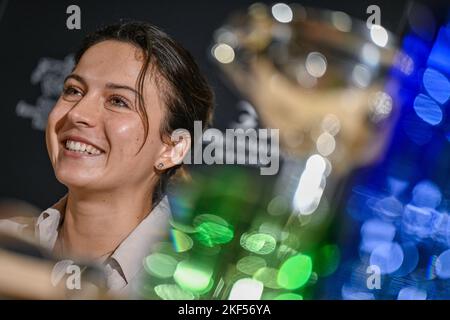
x,y
316,75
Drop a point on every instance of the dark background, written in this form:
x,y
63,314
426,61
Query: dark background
x,y
30,30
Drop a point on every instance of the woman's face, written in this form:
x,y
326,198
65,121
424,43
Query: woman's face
x,y
94,132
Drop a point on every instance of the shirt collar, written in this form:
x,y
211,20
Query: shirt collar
x,y
131,252
133,249
47,224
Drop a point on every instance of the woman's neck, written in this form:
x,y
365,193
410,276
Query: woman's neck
x,y
94,225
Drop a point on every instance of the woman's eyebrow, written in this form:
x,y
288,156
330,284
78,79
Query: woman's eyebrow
x,y
109,85
76,77
120,86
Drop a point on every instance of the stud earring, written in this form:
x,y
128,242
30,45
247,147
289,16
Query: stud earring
x,y
160,165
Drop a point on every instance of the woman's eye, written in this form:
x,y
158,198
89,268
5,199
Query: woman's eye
x,y
71,91
118,102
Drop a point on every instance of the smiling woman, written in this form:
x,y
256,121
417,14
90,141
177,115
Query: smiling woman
x,y
108,139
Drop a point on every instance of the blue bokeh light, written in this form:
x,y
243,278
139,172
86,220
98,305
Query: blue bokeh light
x,y
388,257
410,260
418,221
426,194
437,85
389,208
412,293
443,265
428,110
350,292
374,233
401,205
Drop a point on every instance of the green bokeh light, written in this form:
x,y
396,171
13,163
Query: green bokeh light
x,y
181,241
272,229
295,272
182,227
173,292
268,276
193,277
198,220
165,247
160,265
289,296
210,233
260,243
250,264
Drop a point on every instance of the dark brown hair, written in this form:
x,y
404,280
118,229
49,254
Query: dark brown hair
x,y
183,88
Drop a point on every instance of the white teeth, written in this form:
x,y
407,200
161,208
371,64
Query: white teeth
x,y
81,147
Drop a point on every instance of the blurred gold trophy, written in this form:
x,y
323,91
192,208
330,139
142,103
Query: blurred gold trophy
x,y
30,271
316,75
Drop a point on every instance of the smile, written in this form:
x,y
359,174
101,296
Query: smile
x,y
81,147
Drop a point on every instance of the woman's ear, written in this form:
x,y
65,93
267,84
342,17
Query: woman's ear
x,y
175,151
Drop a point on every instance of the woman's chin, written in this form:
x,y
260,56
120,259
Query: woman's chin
x,y
73,180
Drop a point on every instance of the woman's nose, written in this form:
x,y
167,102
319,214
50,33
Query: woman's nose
x,y
85,112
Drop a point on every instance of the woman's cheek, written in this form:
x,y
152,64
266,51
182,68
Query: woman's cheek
x,y
127,135
51,137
